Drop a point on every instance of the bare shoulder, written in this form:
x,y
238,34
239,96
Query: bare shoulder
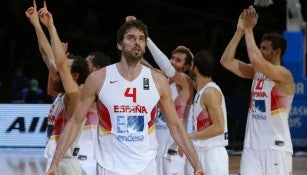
x,y
188,78
160,80
96,79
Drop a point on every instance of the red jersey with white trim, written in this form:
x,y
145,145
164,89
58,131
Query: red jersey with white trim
x,y
202,120
127,137
267,122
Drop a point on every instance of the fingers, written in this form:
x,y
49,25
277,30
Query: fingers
x,y
251,11
34,4
45,4
43,11
29,10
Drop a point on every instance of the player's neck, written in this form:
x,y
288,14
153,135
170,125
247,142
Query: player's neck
x,y
129,72
202,82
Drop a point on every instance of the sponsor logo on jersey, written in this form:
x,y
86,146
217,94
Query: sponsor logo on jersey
x,y
130,138
145,83
258,109
259,94
130,109
131,127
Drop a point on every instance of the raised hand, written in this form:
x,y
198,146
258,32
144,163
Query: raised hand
x,y
32,14
46,17
240,25
250,18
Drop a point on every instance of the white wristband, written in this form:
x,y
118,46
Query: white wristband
x,y
161,59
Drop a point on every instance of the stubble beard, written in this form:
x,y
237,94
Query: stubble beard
x,y
132,59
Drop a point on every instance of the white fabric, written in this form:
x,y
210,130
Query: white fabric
x,y
57,119
267,122
169,164
127,139
190,124
265,162
87,140
161,59
174,164
150,170
214,161
202,120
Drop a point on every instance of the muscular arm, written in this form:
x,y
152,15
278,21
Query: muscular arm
x,y
228,59
44,46
182,80
211,100
61,59
279,74
186,86
176,127
73,126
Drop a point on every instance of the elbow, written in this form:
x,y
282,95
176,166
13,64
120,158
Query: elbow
x,y
222,60
225,64
220,130
256,64
225,61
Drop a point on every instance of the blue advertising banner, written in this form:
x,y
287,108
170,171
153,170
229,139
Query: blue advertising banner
x,y
298,123
294,60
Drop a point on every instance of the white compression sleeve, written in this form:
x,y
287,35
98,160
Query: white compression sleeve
x,y
161,59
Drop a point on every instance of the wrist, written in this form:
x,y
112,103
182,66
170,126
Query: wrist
x,y
240,31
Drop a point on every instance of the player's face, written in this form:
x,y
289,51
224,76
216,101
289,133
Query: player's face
x,y
178,61
267,50
133,45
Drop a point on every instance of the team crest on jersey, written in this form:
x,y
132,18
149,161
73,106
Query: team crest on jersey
x,y
258,109
145,83
130,124
131,127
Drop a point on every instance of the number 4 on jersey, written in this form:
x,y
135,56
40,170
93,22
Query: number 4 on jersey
x,y
131,92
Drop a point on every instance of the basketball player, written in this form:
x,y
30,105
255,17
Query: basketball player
x,y
128,94
209,117
88,138
267,144
68,75
168,158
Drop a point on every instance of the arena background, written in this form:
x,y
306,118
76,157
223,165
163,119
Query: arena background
x,y
91,26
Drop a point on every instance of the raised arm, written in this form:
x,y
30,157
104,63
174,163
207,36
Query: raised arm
x,y
180,78
59,53
44,47
228,59
273,69
176,127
